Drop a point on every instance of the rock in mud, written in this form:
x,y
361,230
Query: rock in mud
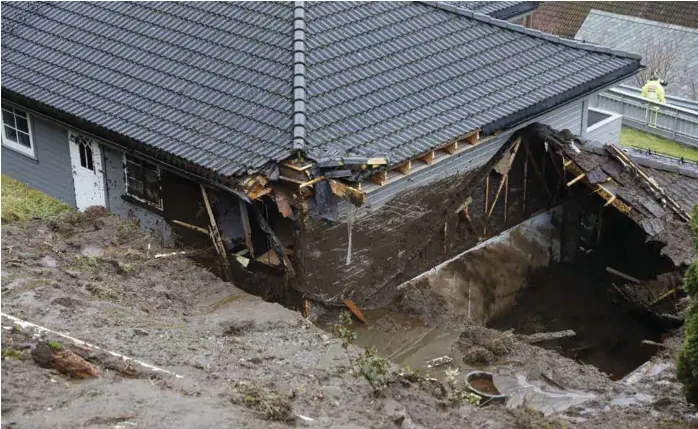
x,y
237,327
49,261
53,355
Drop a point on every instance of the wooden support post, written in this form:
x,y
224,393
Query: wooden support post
x,y
537,170
451,148
428,158
380,178
246,226
525,183
487,192
504,177
506,196
405,168
216,237
576,179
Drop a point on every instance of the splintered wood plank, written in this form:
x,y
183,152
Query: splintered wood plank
x,y
351,305
428,158
380,178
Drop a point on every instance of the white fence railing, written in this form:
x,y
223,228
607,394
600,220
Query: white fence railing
x,y
665,120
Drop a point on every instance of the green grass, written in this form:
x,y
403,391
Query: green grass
x,y
633,138
21,203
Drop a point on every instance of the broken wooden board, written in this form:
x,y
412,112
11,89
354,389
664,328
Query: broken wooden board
x,y
283,204
353,195
351,305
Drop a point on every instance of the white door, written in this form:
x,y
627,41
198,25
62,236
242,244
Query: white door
x,y
88,174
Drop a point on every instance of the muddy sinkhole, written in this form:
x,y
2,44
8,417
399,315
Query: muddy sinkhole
x,y
578,296
564,296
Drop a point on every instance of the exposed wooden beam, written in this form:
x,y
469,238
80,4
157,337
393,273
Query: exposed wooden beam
x,y
473,137
506,170
300,168
428,158
246,227
353,195
405,168
576,179
380,178
216,237
525,182
377,161
536,169
451,148
192,227
506,196
311,182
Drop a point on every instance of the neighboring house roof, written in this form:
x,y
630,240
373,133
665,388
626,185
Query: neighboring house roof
x,y
663,46
564,18
213,83
497,9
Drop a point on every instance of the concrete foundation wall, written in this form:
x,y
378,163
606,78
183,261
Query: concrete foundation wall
x,y
50,171
481,284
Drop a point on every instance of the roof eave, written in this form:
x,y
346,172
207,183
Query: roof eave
x,y
516,10
571,95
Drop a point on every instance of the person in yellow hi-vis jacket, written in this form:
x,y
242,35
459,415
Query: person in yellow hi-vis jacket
x,y
653,90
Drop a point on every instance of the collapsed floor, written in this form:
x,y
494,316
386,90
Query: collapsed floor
x,y
100,281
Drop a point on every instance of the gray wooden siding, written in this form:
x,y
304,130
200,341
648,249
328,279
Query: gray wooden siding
x,y
116,188
51,171
606,128
567,117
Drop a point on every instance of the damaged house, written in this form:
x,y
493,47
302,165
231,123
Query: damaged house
x,y
339,148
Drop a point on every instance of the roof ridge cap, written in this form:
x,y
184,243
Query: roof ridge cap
x,y
299,76
530,32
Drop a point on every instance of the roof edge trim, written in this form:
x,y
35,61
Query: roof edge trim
x,y
299,76
530,32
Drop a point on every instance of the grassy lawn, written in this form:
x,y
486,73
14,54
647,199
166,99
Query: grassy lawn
x,y
633,138
20,202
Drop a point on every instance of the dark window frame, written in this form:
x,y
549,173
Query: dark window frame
x,y
137,175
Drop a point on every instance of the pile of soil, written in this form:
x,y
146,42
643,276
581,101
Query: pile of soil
x,y
243,362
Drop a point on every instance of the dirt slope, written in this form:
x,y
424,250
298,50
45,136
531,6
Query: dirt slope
x,y
244,362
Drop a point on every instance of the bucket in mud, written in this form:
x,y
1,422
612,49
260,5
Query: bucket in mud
x,y
482,384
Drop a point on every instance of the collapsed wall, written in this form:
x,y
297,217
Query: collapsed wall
x,y
482,283
372,250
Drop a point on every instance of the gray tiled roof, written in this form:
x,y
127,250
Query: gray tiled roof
x,y
401,78
496,9
213,83
207,82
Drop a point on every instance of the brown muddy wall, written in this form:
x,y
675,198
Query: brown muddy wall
x,y
482,283
412,232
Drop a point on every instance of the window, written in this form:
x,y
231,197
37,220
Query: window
x,y
85,150
16,130
143,181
